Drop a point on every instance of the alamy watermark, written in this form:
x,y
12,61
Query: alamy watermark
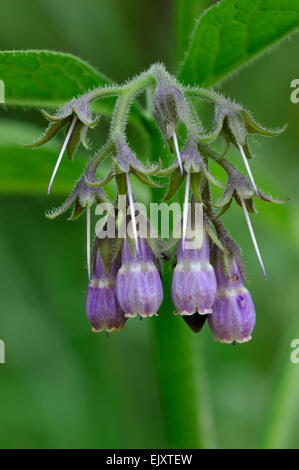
x,y
294,356
153,223
2,352
294,96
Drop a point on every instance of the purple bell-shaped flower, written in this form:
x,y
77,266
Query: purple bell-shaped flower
x,y
102,307
194,283
138,284
233,316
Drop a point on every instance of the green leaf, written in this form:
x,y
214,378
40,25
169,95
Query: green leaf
x,y
46,78
28,171
41,78
185,15
232,33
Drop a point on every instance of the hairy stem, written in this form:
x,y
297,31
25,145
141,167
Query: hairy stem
x,y
129,92
205,94
99,157
103,92
181,374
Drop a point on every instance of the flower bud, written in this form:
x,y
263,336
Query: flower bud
x,y
193,284
233,316
102,307
138,283
169,105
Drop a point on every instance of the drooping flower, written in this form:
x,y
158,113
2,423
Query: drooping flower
x,y
233,316
138,284
193,284
236,123
102,307
115,292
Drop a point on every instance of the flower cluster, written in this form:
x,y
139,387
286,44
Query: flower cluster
x,y
125,271
123,288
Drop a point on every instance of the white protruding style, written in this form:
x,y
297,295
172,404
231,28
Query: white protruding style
x,y
253,236
248,169
132,211
176,145
67,138
186,209
88,240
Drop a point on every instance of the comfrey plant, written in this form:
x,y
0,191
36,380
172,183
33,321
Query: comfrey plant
x,y
126,280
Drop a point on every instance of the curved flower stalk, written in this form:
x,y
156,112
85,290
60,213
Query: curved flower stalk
x,y
233,316
138,285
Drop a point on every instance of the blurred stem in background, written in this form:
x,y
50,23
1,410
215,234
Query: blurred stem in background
x,y
175,355
178,351
182,378
281,419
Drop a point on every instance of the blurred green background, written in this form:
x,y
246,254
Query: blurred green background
x,y
61,386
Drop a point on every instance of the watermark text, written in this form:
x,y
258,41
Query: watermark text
x,y
294,357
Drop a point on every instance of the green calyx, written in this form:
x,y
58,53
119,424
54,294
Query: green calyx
x,y
76,118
